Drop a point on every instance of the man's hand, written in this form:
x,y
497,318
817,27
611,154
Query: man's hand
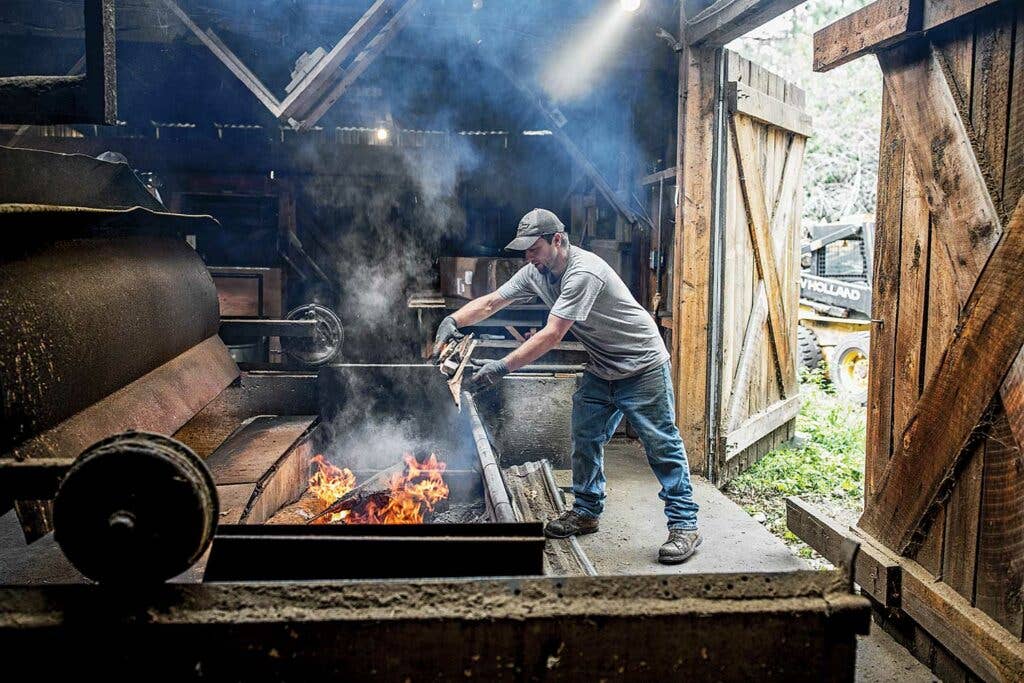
x,y
446,332
486,377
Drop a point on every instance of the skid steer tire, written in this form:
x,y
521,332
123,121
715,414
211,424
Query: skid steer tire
x,y
848,368
809,348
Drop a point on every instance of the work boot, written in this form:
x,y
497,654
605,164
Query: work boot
x,y
680,545
570,523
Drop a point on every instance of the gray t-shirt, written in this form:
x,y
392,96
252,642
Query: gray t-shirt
x,y
619,335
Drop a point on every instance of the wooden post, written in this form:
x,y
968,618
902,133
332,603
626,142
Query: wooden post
x,y
691,258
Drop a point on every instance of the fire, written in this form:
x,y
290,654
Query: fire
x,y
330,483
411,495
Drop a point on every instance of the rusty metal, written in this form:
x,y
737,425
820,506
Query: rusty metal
x,y
81,319
324,345
87,98
302,552
268,327
536,498
135,508
31,480
108,320
37,177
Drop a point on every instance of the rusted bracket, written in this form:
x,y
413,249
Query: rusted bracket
x,y
76,98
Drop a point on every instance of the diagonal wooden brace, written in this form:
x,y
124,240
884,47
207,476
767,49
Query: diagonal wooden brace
x,y
764,252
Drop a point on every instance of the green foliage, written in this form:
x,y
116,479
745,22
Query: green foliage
x,y
827,466
841,162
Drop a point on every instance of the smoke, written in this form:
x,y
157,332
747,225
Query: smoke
x,y
579,65
375,414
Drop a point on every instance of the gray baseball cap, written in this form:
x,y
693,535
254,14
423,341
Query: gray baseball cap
x,y
534,224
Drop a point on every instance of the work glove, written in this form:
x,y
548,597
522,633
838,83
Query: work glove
x,y
486,377
446,332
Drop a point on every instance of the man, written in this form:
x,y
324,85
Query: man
x,y
628,373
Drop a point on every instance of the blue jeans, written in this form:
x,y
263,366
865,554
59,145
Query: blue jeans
x,y
647,402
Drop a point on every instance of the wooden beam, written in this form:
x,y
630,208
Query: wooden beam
x,y
883,24
877,573
721,22
986,343
360,63
76,69
880,24
753,333
758,105
668,175
691,255
988,649
758,425
328,69
764,253
884,298
939,12
228,59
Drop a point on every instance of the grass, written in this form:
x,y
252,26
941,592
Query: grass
x,y
826,466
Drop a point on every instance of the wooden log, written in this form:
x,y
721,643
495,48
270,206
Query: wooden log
x,y
377,488
302,511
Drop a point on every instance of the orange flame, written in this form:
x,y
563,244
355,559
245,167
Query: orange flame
x,y
329,483
419,489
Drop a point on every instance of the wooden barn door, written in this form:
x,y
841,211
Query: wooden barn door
x,y
758,214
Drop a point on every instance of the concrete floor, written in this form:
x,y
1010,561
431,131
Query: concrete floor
x,y
633,525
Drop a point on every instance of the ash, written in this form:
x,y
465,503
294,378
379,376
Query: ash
x,y
462,513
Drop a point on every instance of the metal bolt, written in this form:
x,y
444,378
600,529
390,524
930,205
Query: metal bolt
x,y
122,522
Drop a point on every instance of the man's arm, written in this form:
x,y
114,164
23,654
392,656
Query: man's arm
x,y
478,309
538,344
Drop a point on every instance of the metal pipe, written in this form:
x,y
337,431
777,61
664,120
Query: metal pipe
x,y
493,483
567,368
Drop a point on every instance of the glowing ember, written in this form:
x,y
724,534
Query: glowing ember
x,y
330,483
411,495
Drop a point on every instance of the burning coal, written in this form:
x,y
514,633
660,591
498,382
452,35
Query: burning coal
x,y
402,494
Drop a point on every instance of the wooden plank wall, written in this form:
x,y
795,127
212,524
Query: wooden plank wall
x,y
740,281
976,543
